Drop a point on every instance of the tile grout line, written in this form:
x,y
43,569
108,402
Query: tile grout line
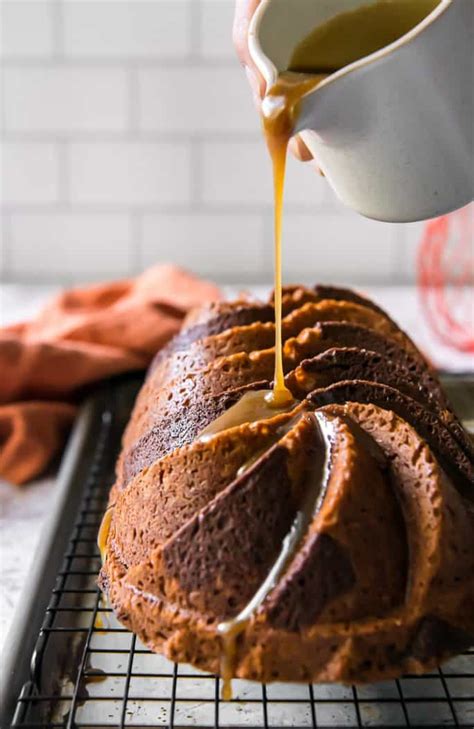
x,y
129,65
223,278
202,206
139,135
182,61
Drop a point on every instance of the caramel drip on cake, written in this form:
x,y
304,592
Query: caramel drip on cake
x,y
102,538
199,524
315,489
319,531
103,534
297,414
252,407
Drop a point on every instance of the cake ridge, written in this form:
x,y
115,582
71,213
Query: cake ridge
x,y
382,579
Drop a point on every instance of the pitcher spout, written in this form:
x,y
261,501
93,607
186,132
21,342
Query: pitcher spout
x,y
390,121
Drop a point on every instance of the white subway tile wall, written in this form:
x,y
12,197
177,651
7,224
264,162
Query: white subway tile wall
x,y
66,99
192,100
30,173
129,137
125,30
130,173
42,242
219,242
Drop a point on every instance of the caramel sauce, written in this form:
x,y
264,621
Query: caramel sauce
x,y
279,113
97,677
231,629
357,33
338,42
103,534
101,623
317,480
281,431
102,537
251,407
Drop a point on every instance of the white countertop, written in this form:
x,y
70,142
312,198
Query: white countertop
x,y
25,509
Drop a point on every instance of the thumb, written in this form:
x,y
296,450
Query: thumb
x,y
299,149
244,11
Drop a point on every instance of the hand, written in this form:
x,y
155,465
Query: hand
x,y
244,10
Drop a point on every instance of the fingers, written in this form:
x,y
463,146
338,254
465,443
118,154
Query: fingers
x,y
299,149
255,86
244,10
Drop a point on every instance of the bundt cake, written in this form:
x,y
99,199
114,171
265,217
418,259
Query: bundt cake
x,y
329,541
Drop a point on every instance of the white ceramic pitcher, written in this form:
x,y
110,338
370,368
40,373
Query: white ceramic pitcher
x,y
392,132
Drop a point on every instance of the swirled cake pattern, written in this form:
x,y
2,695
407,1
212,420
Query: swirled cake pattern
x,y
332,540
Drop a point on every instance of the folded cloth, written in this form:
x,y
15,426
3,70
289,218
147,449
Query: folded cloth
x,y
82,336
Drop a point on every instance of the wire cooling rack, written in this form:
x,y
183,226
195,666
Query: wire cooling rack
x,y
88,671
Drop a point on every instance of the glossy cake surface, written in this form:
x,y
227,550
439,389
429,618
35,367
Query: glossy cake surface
x,y
357,501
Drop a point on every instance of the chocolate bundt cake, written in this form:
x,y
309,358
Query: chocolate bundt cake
x,y
329,541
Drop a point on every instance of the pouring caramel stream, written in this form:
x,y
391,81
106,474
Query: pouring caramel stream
x,y
338,42
332,45
279,109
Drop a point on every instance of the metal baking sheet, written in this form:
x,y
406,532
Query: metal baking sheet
x,y
71,664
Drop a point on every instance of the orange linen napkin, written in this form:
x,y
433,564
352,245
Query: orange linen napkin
x,y
82,336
